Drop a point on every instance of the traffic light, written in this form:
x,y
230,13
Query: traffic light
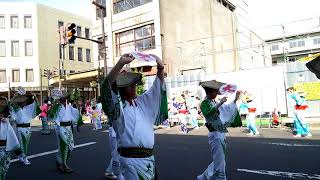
x,y
46,72
71,33
55,72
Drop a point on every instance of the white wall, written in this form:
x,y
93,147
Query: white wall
x,y
21,34
266,84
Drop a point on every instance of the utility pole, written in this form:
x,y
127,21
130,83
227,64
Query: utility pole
x,y
41,95
9,88
102,9
285,64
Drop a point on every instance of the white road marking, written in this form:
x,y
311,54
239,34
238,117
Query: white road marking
x,y
295,145
53,151
282,174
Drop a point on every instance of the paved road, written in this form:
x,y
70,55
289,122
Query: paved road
x,y
182,157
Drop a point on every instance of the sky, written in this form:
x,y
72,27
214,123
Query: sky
x,y
265,16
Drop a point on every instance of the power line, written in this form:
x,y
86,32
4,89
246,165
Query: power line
x,y
286,23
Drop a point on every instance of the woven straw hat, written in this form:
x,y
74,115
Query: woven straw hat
x,y
20,98
128,78
213,84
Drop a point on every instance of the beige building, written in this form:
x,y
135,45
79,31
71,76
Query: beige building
x,y
190,36
29,44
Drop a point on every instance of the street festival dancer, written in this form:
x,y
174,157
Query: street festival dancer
x,y
218,116
64,116
8,139
100,112
133,117
44,117
24,108
251,117
113,168
300,125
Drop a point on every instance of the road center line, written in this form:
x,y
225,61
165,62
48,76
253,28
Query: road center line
x,y
53,151
294,145
282,174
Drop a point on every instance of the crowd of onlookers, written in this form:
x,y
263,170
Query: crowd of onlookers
x,y
185,109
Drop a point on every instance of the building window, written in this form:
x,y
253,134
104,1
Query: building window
x,y
29,75
316,41
139,39
16,75
87,33
71,53
79,54
98,10
88,55
79,31
292,59
298,43
2,48
3,76
15,48
2,22
301,43
14,22
123,5
60,23
275,47
28,48
27,22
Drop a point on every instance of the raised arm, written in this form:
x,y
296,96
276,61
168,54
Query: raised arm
x,y
124,59
160,67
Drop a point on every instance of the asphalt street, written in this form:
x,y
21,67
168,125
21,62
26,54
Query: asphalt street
x,y
273,155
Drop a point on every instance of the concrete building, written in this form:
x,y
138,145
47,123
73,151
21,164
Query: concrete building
x,y
189,35
28,44
295,46
253,51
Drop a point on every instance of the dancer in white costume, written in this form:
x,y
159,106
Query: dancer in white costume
x,y
251,117
24,108
64,116
133,118
8,139
113,168
219,116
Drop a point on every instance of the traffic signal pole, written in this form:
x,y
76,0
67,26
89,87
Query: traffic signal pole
x,y
102,8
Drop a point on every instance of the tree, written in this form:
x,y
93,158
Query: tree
x,y
140,87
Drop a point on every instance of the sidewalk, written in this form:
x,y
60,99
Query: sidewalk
x,y
283,133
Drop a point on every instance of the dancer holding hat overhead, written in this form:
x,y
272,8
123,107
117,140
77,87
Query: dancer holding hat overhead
x,y
8,139
24,108
219,116
133,117
64,116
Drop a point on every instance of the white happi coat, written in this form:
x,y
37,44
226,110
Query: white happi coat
x,y
25,114
134,128
22,116
66,114
7,133
217,140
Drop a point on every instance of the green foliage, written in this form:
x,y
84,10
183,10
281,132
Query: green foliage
x,y
140,87
75,95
